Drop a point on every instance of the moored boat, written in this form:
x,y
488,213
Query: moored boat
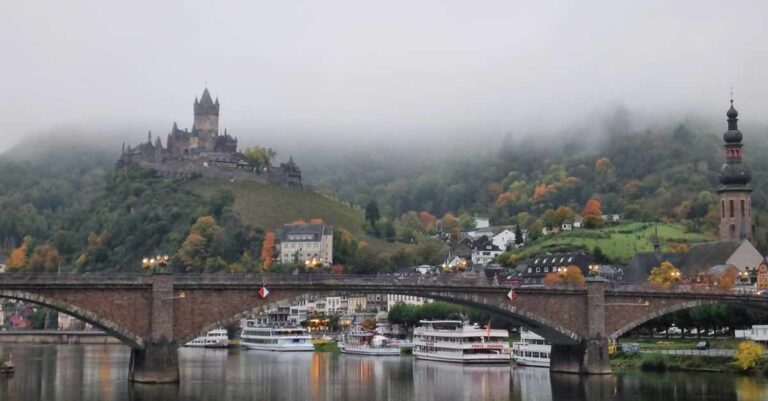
x,y
456,341
8,367
531,350
213,339
275,338
364,342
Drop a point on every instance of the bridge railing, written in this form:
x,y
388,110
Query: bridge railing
x,y
401,280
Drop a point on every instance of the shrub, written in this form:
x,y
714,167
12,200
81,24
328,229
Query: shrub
x,y
749,355
654,362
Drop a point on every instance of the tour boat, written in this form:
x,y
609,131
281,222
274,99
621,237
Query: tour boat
x,y
274,338
213,339
363,342
531,350
456,341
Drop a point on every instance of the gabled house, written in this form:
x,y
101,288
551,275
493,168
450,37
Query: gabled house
x,y
484,252
504,239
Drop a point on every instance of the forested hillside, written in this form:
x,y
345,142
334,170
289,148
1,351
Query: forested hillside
x,y
666,175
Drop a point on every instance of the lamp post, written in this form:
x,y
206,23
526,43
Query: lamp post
x,y
594,270
675,276
154,264
744,278
561,271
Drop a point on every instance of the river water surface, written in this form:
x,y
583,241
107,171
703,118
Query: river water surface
x,y
98,372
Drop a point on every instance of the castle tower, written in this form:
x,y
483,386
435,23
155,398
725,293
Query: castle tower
x,y
206,123
735,191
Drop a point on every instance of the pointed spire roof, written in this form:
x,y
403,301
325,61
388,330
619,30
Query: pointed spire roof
x,y
206,98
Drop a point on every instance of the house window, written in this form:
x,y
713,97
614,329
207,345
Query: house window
x,y
723,204
743,209
538,269
733,228
530,270
546,269
730,204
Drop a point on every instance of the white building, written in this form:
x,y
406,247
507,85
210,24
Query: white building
x,y
482,222
504,239
335,305
394,299
357,304
485,253
303,242
757,333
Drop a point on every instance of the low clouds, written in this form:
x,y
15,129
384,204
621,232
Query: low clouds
x,y
310,71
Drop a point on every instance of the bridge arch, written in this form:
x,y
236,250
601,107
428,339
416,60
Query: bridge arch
x,y
683,305
110,327
548,329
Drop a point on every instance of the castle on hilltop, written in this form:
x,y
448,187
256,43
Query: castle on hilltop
x,y
205,152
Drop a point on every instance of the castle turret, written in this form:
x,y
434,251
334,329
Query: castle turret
x,y
206,123
735,191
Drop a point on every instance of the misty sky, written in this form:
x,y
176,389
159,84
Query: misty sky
x,y
364,69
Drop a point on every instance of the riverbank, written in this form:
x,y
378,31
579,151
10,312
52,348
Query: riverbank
x,y
56,337
662,363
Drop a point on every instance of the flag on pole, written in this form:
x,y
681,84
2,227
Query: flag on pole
x,y
263,292
512,295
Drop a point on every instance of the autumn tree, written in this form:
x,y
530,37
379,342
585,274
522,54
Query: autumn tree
x,y
564,214
44,258
196,248
749,355
571,276
316,220
268,250
727,279
451,226
664,274
427,221
18,257
593,214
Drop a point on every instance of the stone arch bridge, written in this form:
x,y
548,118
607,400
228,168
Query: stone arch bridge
x,y
155,313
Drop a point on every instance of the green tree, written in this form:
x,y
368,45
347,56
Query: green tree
x,y
372,214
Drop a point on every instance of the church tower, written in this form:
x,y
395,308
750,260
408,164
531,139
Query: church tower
x,y
735,191
206,124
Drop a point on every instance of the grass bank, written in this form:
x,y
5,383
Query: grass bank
x,y
619,242
663,363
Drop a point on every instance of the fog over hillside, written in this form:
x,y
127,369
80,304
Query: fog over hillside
x,y
337,72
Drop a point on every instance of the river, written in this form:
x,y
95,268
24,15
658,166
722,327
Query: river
x,y
98,372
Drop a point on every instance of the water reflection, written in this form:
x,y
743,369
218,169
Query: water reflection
x,y
98,372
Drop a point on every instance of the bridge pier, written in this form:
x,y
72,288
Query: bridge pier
x,y
591,355
158,362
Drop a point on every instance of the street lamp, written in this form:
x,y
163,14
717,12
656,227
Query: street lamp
x,y
744,278
675,276
594,270
561,271
154,263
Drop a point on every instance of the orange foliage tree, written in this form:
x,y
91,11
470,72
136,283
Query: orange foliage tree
x,y
268,250
18,257
571,276
427,221
592,213
316,220
727,280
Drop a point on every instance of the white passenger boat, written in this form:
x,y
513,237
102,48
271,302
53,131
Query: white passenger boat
x,y
531,350
212,339
363,342
274,338
455,341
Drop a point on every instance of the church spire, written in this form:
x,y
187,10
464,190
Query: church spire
x,y
735,191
